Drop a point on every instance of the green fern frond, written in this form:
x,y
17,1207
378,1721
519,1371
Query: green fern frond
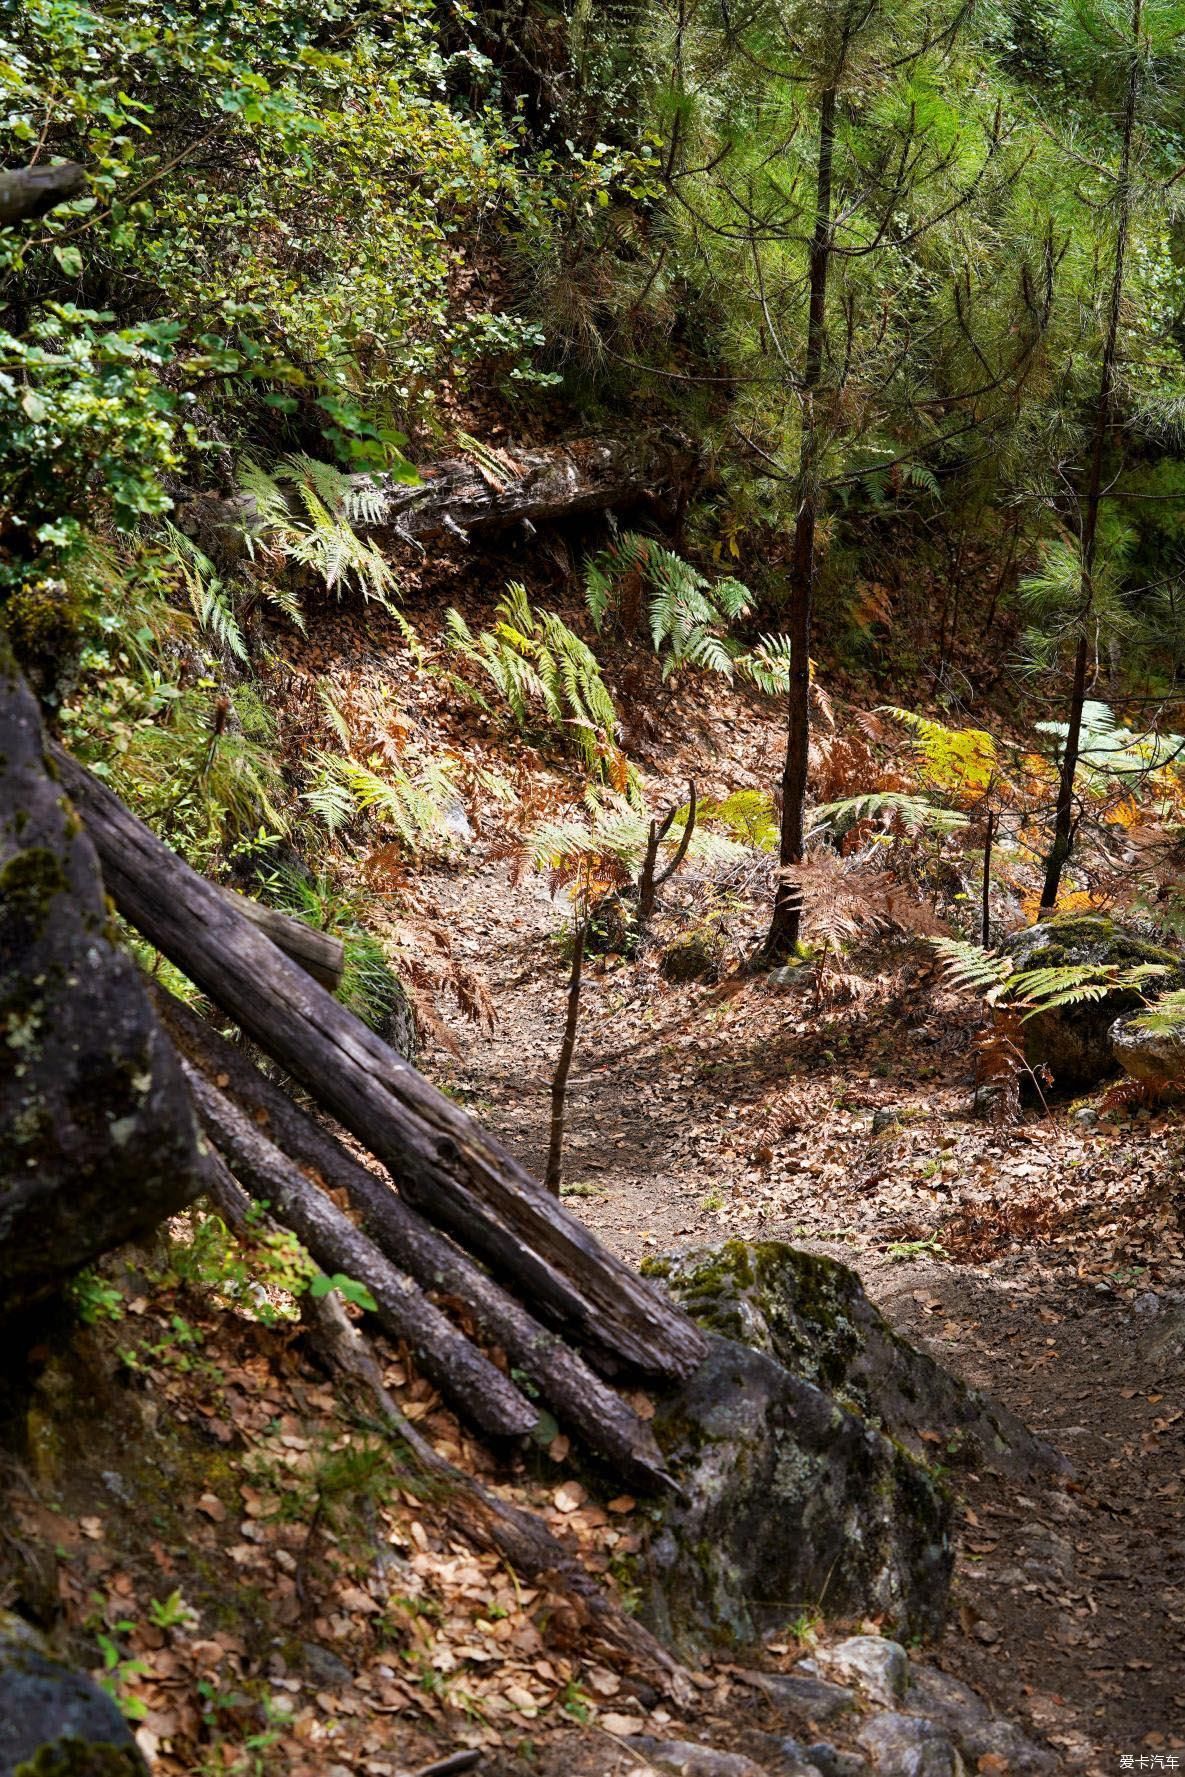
x,y
914,812
1165,1017
969,965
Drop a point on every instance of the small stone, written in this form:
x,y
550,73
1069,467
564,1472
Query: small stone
x,y
906,1746
1085,1115
987,1633
883,1119
1148,1303
52,1717
798,977
878,1666
323,1668
685,1759
977,1733
830,1762
813,1699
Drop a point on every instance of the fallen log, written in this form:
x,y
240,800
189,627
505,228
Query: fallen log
x,y
439,1157
605,1423
487,1398
319,954
457,496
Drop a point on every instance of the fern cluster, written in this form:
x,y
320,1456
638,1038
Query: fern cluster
x,y
416,807
305,512
216,603
541,669
1032,991
688,616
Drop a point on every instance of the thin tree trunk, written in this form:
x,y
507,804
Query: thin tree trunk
x,y
1063,827
986,921
559,1084
652,879
786,923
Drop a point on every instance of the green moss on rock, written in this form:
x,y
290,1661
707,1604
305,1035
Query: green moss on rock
x,y
1073,1041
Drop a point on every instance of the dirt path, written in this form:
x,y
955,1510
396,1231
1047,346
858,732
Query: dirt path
x,y
698,1113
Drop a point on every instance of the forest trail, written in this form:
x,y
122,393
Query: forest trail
x,y
696,1113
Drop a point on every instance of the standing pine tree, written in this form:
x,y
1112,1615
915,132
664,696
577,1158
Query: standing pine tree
x,y
1124,157
824,159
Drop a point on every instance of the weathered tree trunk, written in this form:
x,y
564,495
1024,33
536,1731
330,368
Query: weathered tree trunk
x,y
1063,826
438,1155
318,953
786,923
534,487
484,1395
97,1137
605,1423
31,191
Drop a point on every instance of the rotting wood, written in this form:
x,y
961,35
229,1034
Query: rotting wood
x,y
607,1425
456,496
486,1398
440,1158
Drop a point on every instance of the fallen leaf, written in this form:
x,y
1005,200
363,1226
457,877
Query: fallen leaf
x,y
622,1725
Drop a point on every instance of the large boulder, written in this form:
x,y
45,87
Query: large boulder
x,y
813,1317
1156,1056
54,1721
1074,1041
788,1503
803,1448
97,1136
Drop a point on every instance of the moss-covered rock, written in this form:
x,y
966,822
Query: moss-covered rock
x,y
54,1721
799,1448
1074,1041
813,1315
97,1135
790,1504
696,956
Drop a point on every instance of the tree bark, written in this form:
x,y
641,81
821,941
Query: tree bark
x,y
440,1158
786,924
605,1423
1063,825
456,497
482,1393
321,955
97,1137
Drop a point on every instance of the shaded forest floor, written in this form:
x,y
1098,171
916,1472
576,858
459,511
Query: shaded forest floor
x,y
698,1113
